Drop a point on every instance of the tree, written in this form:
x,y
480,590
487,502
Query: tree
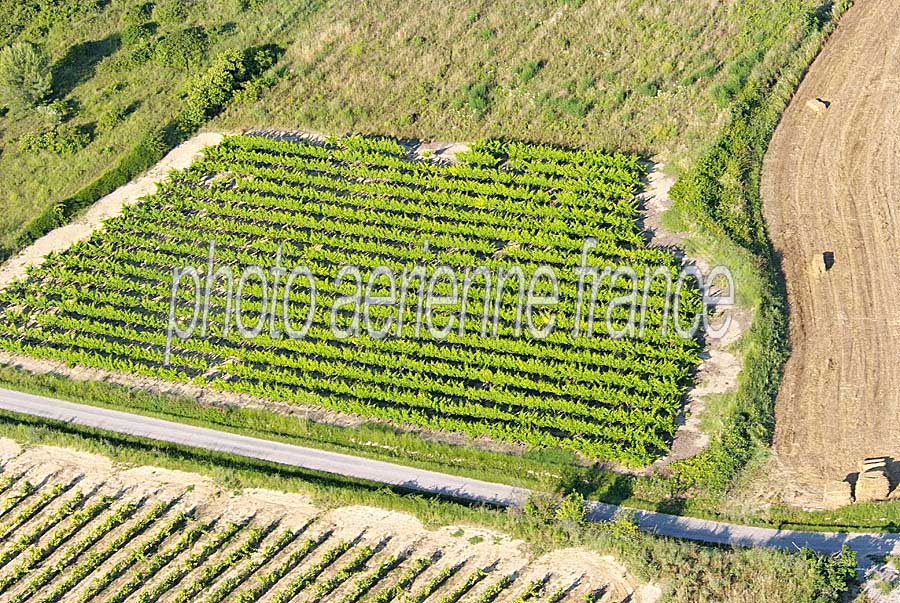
x,y
207,93
25,77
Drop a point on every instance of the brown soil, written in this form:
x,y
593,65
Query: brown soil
x,y
720,366
830,184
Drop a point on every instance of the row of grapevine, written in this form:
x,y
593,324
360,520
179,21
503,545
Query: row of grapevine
x,y
365,202
109,544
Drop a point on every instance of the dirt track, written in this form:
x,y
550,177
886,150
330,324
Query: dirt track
x,y
105,208
832,183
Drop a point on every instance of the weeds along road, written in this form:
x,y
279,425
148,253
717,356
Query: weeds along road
x,y
420,480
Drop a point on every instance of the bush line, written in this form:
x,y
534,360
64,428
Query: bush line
x,y
144,155
731,209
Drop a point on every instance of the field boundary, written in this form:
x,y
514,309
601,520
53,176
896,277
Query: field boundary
x,y
260,167
729,210
866,545
842,380
62,238
716,374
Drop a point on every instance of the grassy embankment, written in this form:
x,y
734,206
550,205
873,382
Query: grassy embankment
x,y
626,76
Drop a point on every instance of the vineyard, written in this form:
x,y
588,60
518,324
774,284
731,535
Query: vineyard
x,y
77,529
368,202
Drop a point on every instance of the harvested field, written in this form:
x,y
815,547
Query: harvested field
x,y
830,191
77,528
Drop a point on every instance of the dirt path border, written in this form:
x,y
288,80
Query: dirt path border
x,y
107,207
720,366
580,569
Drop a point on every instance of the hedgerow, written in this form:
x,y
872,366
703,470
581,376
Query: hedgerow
x,y
146,153
721,193
209,92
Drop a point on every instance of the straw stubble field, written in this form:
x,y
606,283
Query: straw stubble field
x,y
829,186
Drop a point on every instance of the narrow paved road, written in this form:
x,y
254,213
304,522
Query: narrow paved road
x,y
420,480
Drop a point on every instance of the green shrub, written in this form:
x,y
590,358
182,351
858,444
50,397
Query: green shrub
x,y
139,55
478,96
251,90
36,18
182,49
572,510
111,119
649,89
64,139
486,33
114,88
138,34
526,72
623,527
832,575
208,93
172,12
568,511
541,508
738,73
25,77
568,105
136,14
701,74
261,58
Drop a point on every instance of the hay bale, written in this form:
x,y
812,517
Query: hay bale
x,y
837,494
817,266
874,463
872,485
817,105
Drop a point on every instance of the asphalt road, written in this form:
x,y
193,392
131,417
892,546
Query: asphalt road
x,y
420,480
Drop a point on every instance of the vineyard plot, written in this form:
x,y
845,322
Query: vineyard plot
x,y
605,392
107,534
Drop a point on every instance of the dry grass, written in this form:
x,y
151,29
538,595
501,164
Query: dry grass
x,y
643,75
625,74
